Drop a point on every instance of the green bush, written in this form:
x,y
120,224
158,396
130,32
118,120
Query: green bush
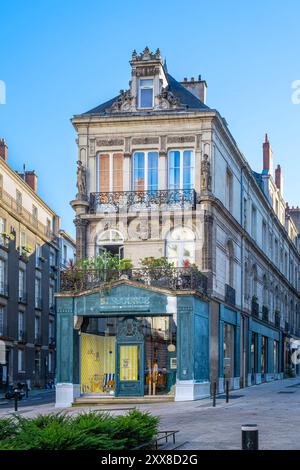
x,y
86,431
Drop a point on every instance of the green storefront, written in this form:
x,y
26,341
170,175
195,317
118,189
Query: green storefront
x,y
130,341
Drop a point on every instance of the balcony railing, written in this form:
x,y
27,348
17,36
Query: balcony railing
x,y
52,342
128,201
229,295
171,278
255,307
26,216
3,330
4,289
265,313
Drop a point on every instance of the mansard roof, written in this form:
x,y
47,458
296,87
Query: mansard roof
x,y
187,100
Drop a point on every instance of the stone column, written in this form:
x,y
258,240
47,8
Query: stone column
x,y
207,249
81,226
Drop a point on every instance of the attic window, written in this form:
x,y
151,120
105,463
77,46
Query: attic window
x,y
146,93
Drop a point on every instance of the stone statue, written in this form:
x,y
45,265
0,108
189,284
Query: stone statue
x,y
205,174
81,179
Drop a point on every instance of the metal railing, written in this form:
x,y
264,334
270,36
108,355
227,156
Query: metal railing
x,y
22,337
38,339
277,319
23,297
229,295
142,200
169,278
38,303
26,216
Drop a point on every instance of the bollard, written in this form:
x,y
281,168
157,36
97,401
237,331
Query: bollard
x,y
249,437
214,393
227,391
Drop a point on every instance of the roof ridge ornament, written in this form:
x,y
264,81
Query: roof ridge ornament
x,y
146,55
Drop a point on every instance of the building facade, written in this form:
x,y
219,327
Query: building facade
x,y
29,273
67,250
160,175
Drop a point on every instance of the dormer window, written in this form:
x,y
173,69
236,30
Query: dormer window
x,y
146,93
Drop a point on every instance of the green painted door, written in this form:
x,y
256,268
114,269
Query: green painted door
x,y
130,369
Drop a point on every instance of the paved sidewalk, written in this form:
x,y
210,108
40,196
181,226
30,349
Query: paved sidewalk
x,y
274,407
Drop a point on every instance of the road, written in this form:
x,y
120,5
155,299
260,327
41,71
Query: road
x,y
274,407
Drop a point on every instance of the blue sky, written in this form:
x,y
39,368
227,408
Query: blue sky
x,y
60,58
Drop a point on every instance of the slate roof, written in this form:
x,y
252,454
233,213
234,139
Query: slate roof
x,y
179,91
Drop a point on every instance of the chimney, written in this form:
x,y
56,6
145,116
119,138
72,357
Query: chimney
x,y
3,150
31,179
268,156
196,87
279,179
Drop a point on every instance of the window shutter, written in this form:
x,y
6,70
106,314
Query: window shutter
x,y
118,172
104,173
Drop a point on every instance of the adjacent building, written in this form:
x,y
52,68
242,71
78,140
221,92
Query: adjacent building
x,y
29,275
67,250
160,175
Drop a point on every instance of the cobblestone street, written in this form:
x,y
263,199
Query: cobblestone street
x,y
274,407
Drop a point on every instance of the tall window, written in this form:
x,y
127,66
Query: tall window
x,y
181,246
51,331
109,169
22,241
51,296
19,201
181,169
21,284
21,360
245,213
254,280
38,293
37,326
264,235
229,264
34,215
253,222
38,254
229,190
145,171
146,93
21,325
2,320
2,230
2,276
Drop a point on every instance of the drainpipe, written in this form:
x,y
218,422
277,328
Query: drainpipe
x,y
244,358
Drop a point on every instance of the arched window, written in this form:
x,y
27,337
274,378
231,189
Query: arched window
x,y
229,264
110,240
180,246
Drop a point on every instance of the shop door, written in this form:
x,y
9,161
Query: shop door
x,y
130,369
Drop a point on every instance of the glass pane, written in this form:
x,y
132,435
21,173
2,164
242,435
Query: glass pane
x,y
187,169
146,82
139,171
129,362
174,169
152,170
97,363
146,98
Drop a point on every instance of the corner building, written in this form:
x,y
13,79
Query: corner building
x,y
165,177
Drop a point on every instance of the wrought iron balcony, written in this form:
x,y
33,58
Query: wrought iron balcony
x,y
23,297
229,295
265,313
52,342
171,278
118,201
38,303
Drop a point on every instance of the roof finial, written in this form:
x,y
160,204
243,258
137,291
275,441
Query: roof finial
x,y
165,65
266,139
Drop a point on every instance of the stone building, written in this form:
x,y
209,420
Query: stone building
x,y
159,174
28,279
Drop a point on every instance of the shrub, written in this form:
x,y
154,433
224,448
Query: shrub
x,y
86,431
